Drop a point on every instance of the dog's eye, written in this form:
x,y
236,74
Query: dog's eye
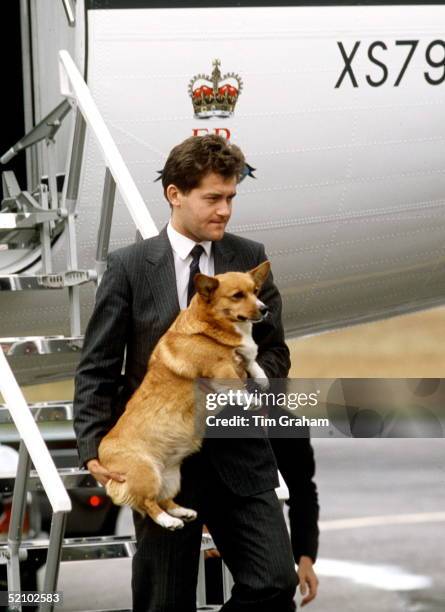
x,y
256,290
238,295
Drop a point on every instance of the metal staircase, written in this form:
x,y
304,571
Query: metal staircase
x,y
35,220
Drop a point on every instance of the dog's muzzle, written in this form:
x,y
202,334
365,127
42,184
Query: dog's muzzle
x,y
264,310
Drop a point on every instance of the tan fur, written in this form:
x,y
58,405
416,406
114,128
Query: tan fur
x,y
157,429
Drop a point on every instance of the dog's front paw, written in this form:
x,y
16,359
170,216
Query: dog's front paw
x,y
259,376
169,522
186,514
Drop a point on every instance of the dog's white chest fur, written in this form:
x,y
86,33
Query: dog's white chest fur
x,y
249,351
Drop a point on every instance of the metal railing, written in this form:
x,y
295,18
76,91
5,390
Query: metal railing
x,y
32,448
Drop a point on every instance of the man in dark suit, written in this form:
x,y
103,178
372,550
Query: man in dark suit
x,y
230,482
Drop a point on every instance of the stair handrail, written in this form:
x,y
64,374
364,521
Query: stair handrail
x,y
31,436
75,89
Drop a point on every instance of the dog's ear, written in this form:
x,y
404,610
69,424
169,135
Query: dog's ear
x,y
205,285
260,273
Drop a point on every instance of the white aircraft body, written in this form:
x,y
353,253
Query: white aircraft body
x,y
340,113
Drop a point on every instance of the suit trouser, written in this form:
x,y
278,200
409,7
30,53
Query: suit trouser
x,y
251,535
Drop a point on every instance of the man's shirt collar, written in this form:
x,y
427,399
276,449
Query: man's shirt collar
x,y
183,245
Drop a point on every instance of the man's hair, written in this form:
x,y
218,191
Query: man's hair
x,y
190,161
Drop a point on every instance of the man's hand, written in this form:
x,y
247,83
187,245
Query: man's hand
x,y
211,552
308,580
101,474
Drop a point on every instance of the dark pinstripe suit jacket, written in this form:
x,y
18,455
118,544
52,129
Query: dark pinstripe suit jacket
x,y
135,304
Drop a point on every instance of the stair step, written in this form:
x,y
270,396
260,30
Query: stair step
x,y
42,412
40,345
55,421
61,280
72,478
26,220
91,548
81,549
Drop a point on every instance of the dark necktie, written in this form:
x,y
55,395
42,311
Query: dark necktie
x,y
196,253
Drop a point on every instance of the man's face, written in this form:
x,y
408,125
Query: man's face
x,y
203,213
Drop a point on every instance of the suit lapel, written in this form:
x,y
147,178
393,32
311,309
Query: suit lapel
x,y
223,256
160,272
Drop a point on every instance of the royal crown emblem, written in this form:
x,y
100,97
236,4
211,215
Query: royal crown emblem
x,y
215,95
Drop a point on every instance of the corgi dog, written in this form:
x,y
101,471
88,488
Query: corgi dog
x,y
211,339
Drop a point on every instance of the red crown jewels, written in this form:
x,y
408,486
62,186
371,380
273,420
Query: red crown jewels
x,y
215,95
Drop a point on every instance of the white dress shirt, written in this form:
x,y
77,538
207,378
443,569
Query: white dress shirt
x,y
182,247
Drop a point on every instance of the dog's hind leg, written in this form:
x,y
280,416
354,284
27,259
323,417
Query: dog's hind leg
x,y
171,483
155,511
151,501
174,509
141,490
